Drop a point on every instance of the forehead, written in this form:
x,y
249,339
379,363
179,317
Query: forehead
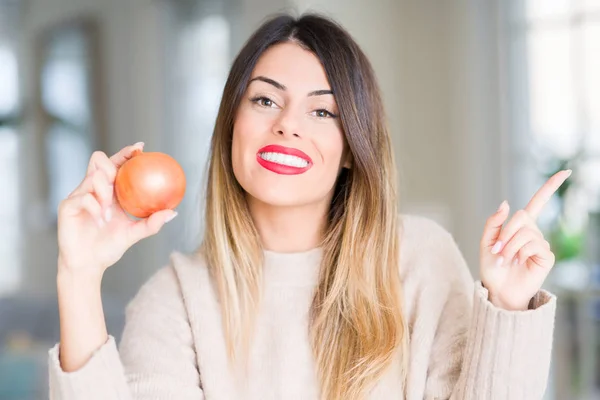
x,y
292,66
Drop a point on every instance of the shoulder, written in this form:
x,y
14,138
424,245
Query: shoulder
x,y
421,237
429,253
188,266
422,231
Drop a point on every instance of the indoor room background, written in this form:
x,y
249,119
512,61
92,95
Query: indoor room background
x,y
485,100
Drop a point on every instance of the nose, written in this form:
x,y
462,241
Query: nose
x,y
287,124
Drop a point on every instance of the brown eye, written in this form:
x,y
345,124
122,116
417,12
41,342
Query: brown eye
x,y
263,101
322,113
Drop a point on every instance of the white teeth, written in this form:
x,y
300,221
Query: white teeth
x,y
284,159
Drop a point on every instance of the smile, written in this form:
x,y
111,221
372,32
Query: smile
x,y
283,160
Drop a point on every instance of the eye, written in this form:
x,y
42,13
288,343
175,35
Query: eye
x,y
263,101
323,113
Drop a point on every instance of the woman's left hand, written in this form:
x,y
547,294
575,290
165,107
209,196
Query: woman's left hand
x,y
516,259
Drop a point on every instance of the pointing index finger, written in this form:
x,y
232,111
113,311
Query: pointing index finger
x,y
541,197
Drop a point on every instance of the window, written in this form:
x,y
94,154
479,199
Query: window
x,y
66,96
554,78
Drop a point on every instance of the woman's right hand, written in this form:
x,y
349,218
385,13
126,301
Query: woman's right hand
x,y
93,230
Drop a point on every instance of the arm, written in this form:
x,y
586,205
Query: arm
x,y
480,351
156,359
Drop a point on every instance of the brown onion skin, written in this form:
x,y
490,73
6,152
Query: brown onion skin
x,y
149,182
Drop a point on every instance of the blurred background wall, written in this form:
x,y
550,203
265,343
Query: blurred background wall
x,y
485,99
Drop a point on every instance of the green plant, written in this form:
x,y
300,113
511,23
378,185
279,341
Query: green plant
x,y
567,242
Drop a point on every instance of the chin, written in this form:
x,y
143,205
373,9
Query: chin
x,y
275,190
277,196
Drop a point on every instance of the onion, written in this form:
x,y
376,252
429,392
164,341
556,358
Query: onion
x,y
149,182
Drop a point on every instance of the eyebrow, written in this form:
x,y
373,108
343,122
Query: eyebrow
x,y
282,87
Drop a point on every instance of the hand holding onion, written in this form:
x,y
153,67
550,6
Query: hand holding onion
x,y
94,230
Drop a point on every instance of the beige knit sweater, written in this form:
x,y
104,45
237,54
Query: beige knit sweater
x,y
461,346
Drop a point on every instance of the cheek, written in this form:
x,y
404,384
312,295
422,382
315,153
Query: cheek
x,y
247,130
330,142
252,121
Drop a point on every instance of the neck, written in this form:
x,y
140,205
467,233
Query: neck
x,y
288,229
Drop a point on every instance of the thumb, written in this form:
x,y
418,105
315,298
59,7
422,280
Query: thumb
x,y
150,226
493,226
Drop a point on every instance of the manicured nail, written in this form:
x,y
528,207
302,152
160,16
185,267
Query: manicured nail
x,y
139,144
501,206
569,172
497,247
170,217
499,261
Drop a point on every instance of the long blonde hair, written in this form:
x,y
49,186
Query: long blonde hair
x,y
357,327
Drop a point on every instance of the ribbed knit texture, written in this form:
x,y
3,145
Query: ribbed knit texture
x,y
461,346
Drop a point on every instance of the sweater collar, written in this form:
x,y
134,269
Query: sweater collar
x,y
296,269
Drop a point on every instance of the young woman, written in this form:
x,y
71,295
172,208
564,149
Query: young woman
x,y
308,284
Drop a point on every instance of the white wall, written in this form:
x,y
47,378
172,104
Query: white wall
x,y
130,65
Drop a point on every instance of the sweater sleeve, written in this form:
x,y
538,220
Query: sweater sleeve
x,y
155,360
482,352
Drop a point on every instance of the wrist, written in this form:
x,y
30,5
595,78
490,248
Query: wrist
x,y
81,275
499,303
507,306
78,283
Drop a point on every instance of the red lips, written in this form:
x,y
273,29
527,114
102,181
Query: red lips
x,y
280,168
273,148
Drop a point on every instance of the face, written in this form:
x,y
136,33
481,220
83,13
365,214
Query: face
x,y
288,146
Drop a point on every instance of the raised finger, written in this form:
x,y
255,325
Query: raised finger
x,y
126,153
541,197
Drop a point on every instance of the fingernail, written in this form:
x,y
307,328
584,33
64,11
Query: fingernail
x,y
100,222
515,261
569,172
108,214
497,247
499,261
139,144
501,206
170,217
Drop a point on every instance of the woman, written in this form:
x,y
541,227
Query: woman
x,y
308,284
